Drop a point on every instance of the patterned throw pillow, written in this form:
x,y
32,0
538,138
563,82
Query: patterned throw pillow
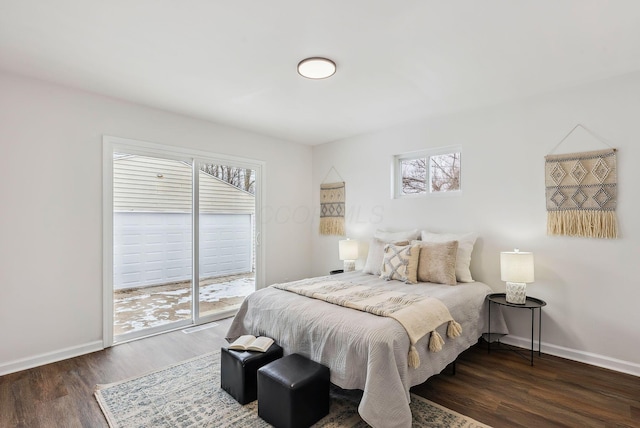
x,y
400,263
376,254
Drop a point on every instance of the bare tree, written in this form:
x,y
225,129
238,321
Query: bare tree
x,y
442,172
445,172
239,177
414,176
249,180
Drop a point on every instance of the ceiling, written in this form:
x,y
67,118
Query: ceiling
x,y
234,62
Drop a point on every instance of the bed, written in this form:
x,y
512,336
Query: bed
x,y
365,351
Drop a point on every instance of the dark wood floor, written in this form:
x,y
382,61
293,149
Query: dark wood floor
x,y
499,389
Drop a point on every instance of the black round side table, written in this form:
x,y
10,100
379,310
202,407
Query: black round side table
x,y
531,303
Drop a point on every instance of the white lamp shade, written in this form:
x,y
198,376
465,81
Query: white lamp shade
x,y
516,266
348,249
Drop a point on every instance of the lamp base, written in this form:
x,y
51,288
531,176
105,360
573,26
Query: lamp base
x,y
516,293
349,265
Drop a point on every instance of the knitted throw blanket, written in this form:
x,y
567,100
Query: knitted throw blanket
x,y
581,194
418,314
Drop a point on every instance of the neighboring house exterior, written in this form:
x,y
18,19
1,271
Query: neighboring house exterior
x,y
153,223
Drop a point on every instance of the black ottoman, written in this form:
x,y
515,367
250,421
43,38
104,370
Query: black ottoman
x,y
238,371
293,392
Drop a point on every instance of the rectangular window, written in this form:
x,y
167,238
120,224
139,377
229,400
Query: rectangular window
x,y
427,172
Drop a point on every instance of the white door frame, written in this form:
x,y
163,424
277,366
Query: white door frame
x,y
112,144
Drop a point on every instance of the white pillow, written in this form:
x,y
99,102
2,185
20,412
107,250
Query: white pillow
x,y
376,254
405,235
463,256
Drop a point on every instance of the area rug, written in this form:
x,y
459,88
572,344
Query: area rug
x,y
188,394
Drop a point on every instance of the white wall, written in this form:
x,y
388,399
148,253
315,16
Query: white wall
x,y
592,286
50,212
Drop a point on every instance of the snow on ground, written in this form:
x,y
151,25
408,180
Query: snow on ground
x,y
237,288
137,309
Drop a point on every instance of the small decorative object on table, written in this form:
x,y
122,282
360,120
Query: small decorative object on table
x,y
516,268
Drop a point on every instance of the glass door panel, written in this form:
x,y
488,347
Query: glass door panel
x,y
152,245
226,238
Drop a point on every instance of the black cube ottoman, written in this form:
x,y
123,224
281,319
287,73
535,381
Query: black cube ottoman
x,y
293,392
238,371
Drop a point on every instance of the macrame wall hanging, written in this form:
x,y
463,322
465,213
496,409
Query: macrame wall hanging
x,y
332,200
581,192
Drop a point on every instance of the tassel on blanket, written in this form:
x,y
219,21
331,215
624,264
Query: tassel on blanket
x,y
414,358
454,329
435,342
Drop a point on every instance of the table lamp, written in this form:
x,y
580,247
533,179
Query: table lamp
x,y
348,251
516,269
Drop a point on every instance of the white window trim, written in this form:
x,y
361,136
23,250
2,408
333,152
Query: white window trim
x,y
396,172
112,144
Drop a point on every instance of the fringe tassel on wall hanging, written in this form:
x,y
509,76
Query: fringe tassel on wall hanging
x,y
581,194
332,200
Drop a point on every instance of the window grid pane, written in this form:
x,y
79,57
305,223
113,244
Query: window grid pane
x,y
414,176
444,172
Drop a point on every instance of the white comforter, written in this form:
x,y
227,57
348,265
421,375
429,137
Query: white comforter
x,y
365,351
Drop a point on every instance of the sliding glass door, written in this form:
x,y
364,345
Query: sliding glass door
x,y
166,267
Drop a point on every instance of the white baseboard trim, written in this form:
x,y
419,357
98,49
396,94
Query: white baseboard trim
x,y
49,357
572,354
521,342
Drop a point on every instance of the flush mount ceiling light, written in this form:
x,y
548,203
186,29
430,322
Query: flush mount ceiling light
x,y
316,68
